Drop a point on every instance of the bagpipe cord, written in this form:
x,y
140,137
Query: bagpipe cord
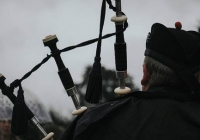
x,y
17,82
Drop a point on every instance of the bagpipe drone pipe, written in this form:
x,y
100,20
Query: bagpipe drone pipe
x,y
94,88
22,115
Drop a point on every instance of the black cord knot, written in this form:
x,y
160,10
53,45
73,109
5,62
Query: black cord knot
x,y
111,6
97,59
97,65
56,52
15,84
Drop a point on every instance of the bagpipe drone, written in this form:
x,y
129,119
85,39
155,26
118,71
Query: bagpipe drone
x,y
93,92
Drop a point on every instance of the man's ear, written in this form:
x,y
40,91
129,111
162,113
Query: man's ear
x,y
146,75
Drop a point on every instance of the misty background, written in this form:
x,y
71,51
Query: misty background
x,y
24,24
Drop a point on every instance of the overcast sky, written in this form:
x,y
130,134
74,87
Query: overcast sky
x,y
25,23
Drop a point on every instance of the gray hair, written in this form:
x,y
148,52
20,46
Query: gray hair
x,y
161,75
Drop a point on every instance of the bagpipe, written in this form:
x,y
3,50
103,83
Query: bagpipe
x,y
22,115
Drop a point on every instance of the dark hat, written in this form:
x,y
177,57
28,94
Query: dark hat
x,y
177,49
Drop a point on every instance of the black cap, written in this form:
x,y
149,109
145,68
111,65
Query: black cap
x,y
177,49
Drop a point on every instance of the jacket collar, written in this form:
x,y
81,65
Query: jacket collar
x,y
173,93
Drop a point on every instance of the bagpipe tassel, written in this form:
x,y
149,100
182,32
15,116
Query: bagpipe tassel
x,y
94,88
19,117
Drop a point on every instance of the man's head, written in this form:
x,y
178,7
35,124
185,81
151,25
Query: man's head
x,y
5,128
6,109
172,58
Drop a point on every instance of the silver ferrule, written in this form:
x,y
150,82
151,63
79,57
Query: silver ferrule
x,y
121,75
118,8
35,122
72,92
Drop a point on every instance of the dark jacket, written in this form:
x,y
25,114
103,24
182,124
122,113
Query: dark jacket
x,y
158,114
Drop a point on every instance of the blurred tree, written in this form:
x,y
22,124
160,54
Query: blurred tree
x,y
109,83
58,125
58,120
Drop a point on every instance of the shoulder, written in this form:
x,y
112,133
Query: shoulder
x,y
13,137
121,101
